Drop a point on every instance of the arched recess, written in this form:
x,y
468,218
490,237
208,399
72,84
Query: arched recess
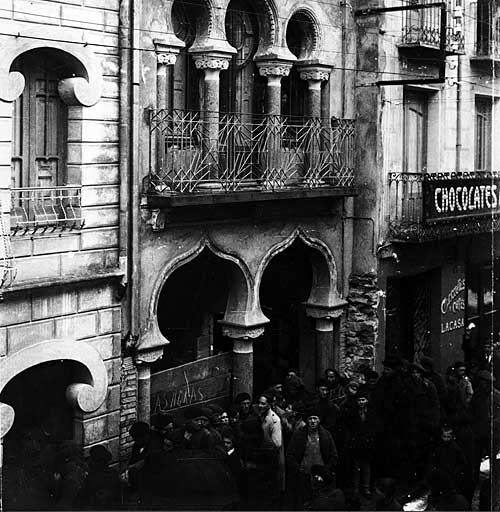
x,y
324,291
84,88
86,395
242,307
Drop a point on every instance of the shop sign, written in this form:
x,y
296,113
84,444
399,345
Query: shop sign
x,y
192,383
453,307
460,197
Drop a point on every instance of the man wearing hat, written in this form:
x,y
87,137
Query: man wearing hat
x,y
309,446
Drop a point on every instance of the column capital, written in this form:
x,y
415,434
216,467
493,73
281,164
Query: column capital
x,y
326,312
148,356
274,68
319,73
211,61
167,50
241,332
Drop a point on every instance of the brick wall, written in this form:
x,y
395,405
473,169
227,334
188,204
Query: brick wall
x,y
128,410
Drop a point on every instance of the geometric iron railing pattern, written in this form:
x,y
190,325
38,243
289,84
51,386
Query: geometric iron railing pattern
x,y
486,16
405,206
7,263
423,27
247,152
41,209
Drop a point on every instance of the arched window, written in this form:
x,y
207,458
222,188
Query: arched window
x,y
242,88
40,122
185,81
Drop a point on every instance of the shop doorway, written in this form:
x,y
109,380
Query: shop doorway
x,y
409,316
289,339
43,418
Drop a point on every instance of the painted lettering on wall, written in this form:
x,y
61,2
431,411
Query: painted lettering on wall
x,y
180,397
453,307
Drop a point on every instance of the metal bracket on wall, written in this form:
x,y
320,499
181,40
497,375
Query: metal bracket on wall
x,y
442,41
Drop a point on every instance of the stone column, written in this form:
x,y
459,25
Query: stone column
x,y
325,319
242,337
274,71
314,76
166,55
144,392
211,65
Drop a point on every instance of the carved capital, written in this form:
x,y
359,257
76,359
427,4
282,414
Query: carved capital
x,y
214,62
314,73
326,312
242,332
277,68
167,59
148,356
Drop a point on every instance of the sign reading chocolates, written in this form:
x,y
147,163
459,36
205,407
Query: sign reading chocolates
x,y
460,197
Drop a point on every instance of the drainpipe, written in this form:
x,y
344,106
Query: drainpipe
x,y
345,20
124,161
458,147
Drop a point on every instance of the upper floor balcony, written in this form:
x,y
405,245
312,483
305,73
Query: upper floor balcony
x,y
421,31
486,17
205,158
432,206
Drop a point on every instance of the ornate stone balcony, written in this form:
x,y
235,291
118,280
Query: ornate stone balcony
x,y
431,206
273,156
41,209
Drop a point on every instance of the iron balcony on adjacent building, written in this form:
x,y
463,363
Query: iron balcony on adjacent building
x,y
207,157
486,17
432,206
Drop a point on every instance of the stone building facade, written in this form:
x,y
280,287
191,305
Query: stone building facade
x,y
428,118
60,315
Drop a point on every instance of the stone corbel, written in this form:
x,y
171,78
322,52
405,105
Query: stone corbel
x,y
77,91
167,50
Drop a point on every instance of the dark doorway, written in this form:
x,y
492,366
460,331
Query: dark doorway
x,y
408,316
190,305
43,418
288,341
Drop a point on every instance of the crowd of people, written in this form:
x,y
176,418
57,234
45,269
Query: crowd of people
x,y
373,441
379,438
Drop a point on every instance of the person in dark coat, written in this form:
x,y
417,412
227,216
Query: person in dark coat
x,y
102,486
371,377
423,417
328,411
443,495
435,377
311,445
325,494
449,457
336,384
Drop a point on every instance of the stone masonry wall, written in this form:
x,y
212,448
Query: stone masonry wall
x,y
361,324
90,314
128,410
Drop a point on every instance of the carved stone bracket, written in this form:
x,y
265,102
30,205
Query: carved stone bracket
x,y
326,312
167,50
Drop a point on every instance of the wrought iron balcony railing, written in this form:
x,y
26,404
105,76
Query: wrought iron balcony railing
x,y
38,209
245,152
487,29
437,205
423,28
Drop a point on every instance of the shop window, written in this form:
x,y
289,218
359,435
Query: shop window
x,y
483,134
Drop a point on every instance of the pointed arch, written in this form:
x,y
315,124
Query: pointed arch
x,y
324,291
